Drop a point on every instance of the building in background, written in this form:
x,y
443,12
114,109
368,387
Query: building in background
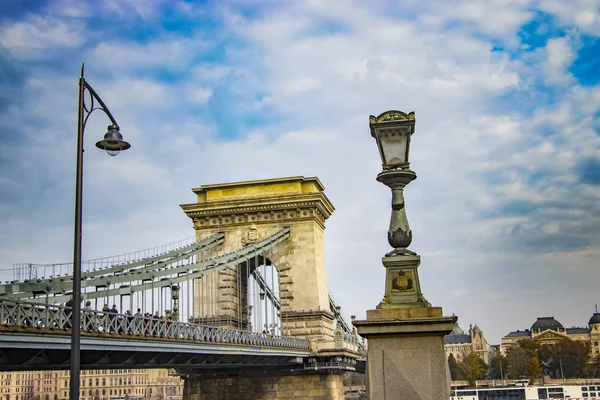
x,y
548,331
460,344
111,384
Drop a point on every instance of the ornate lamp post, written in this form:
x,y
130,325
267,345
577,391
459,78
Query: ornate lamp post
x,y
404,331
250,306
113,144
175,298
392,130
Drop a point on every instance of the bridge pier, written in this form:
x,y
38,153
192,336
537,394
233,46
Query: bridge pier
x,y
326,386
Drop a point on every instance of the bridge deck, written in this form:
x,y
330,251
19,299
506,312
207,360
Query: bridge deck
x,y
41,350
37,336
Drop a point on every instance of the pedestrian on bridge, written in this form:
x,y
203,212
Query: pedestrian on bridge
x,y
69,312
156,323
104,319
138,322
112,316
87,316
128,322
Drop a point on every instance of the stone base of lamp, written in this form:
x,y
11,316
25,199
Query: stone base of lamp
x,y
406,357
402,286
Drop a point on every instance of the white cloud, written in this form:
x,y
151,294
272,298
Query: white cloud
x,y
559,55
208,72
126,8
584,14
37,36
171,53
198,95
70,8
495,18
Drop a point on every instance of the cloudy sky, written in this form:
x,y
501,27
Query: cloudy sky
x,y
506,208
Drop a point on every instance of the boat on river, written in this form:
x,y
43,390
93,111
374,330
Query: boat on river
x,y
572,392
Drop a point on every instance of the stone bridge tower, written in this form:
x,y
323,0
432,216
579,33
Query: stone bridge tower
x,y
249,211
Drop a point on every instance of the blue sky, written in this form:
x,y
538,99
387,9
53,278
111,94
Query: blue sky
x,y
505,212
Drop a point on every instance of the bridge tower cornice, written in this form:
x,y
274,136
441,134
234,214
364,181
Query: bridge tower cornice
x,y
259,202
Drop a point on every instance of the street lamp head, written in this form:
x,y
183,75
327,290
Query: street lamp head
x,y
392,131
175,292
113,142
262,295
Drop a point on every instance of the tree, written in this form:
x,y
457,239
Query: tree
x,y
534,369
517,359
570,358
528,344
524,360
593,369
545,354
453,366
498,367
474,368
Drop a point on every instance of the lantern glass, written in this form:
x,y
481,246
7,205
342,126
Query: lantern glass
x,y
394,148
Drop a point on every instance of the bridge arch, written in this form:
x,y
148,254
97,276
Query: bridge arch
x,y
247,212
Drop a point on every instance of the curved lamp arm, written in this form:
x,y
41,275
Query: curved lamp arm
x,y
93,97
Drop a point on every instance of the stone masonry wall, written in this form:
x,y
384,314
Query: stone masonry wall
x,y
298,387
314,326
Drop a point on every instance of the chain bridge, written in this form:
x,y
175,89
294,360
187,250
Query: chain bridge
x,y
240,309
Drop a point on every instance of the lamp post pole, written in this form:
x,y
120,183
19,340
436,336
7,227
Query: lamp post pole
x,y
75,313
113,143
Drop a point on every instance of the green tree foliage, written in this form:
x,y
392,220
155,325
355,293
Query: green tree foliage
x,y
593,370
534,369
498,367
471,368
453,366
570,358
543,352
518,360
529,357
528,344
475,368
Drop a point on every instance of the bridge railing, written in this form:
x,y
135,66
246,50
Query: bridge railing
x,y
41,316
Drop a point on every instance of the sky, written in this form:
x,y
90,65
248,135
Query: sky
x,y
505,212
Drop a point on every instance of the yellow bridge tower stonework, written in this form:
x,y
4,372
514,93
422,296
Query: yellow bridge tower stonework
x,y
249,211
246,212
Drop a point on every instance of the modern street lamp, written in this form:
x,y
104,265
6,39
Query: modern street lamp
x,y
113,144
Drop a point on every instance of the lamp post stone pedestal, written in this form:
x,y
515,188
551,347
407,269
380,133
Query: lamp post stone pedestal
x,y
406,357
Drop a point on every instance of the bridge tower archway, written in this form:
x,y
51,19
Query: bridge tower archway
x,y
247,212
